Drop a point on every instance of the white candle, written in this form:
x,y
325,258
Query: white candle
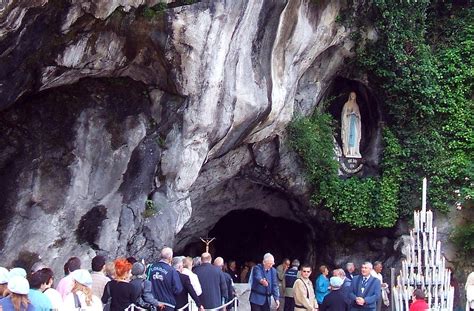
x,y
416,220
401,299
429,220
451,298
406,301
423,197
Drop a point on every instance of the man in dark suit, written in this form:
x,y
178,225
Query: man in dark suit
x,y
214,288
365,290
219,263
350,270
264,285
182,297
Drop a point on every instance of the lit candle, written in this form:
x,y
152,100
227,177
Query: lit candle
x,y
451,298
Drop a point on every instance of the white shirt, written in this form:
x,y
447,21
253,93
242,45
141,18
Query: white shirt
x,y
96,304
56,298
194,280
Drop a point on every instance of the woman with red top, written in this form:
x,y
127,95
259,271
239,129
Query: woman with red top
x,y
419,303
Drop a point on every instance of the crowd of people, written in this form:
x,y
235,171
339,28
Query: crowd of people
x,y
167,284
124,284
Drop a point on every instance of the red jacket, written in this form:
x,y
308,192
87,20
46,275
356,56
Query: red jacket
x,y
419,305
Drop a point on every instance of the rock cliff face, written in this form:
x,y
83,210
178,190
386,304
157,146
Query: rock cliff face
x,y
126,127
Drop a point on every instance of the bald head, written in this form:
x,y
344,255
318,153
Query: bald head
x,y
206,258
166,254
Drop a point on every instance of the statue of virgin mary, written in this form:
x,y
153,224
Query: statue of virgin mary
x,y
351,128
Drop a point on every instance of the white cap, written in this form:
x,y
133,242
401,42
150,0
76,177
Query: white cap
x,y
336,281
3,275
18,285
17,272
82,276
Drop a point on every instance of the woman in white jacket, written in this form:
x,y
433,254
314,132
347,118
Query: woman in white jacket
x,y
470,292
81,297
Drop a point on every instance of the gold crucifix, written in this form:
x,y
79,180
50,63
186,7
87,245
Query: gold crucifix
x,y
207,241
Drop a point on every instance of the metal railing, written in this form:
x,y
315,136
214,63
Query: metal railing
x,y
190,304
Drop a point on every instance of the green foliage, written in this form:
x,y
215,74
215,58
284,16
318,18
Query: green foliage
x,y
463,238
312,139
426,87
368,202
154,11
150,209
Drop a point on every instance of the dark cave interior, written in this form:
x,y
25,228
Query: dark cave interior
x,y
246,235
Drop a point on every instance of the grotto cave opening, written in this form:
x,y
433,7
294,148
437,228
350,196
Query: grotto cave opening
x,y
245,235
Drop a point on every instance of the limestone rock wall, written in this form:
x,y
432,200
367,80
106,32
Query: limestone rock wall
x,y
105,107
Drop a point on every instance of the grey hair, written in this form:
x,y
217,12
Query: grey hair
x,y
268,257
295,263
349,264
368,264
377,263
166,253
340,273
219,261
177,262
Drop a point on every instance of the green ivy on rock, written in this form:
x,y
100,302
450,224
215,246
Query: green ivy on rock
x,y
360,202
421,67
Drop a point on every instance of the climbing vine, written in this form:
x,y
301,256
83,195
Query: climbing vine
x,y
421,67
367,202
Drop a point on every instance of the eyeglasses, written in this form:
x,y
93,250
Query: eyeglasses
x,y
306,271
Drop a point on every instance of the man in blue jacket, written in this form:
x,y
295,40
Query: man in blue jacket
x,y
264,285
365,290
212,279
165,281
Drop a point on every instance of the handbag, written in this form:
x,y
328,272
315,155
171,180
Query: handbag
x,y
109,300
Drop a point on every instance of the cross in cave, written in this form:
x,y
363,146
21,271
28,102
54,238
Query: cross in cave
x,y
207,241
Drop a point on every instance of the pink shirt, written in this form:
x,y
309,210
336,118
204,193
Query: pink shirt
x,y
65,285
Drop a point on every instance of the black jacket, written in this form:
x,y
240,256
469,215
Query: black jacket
x,y
334,301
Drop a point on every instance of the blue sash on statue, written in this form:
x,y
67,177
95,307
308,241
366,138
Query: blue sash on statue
x,y
352,130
